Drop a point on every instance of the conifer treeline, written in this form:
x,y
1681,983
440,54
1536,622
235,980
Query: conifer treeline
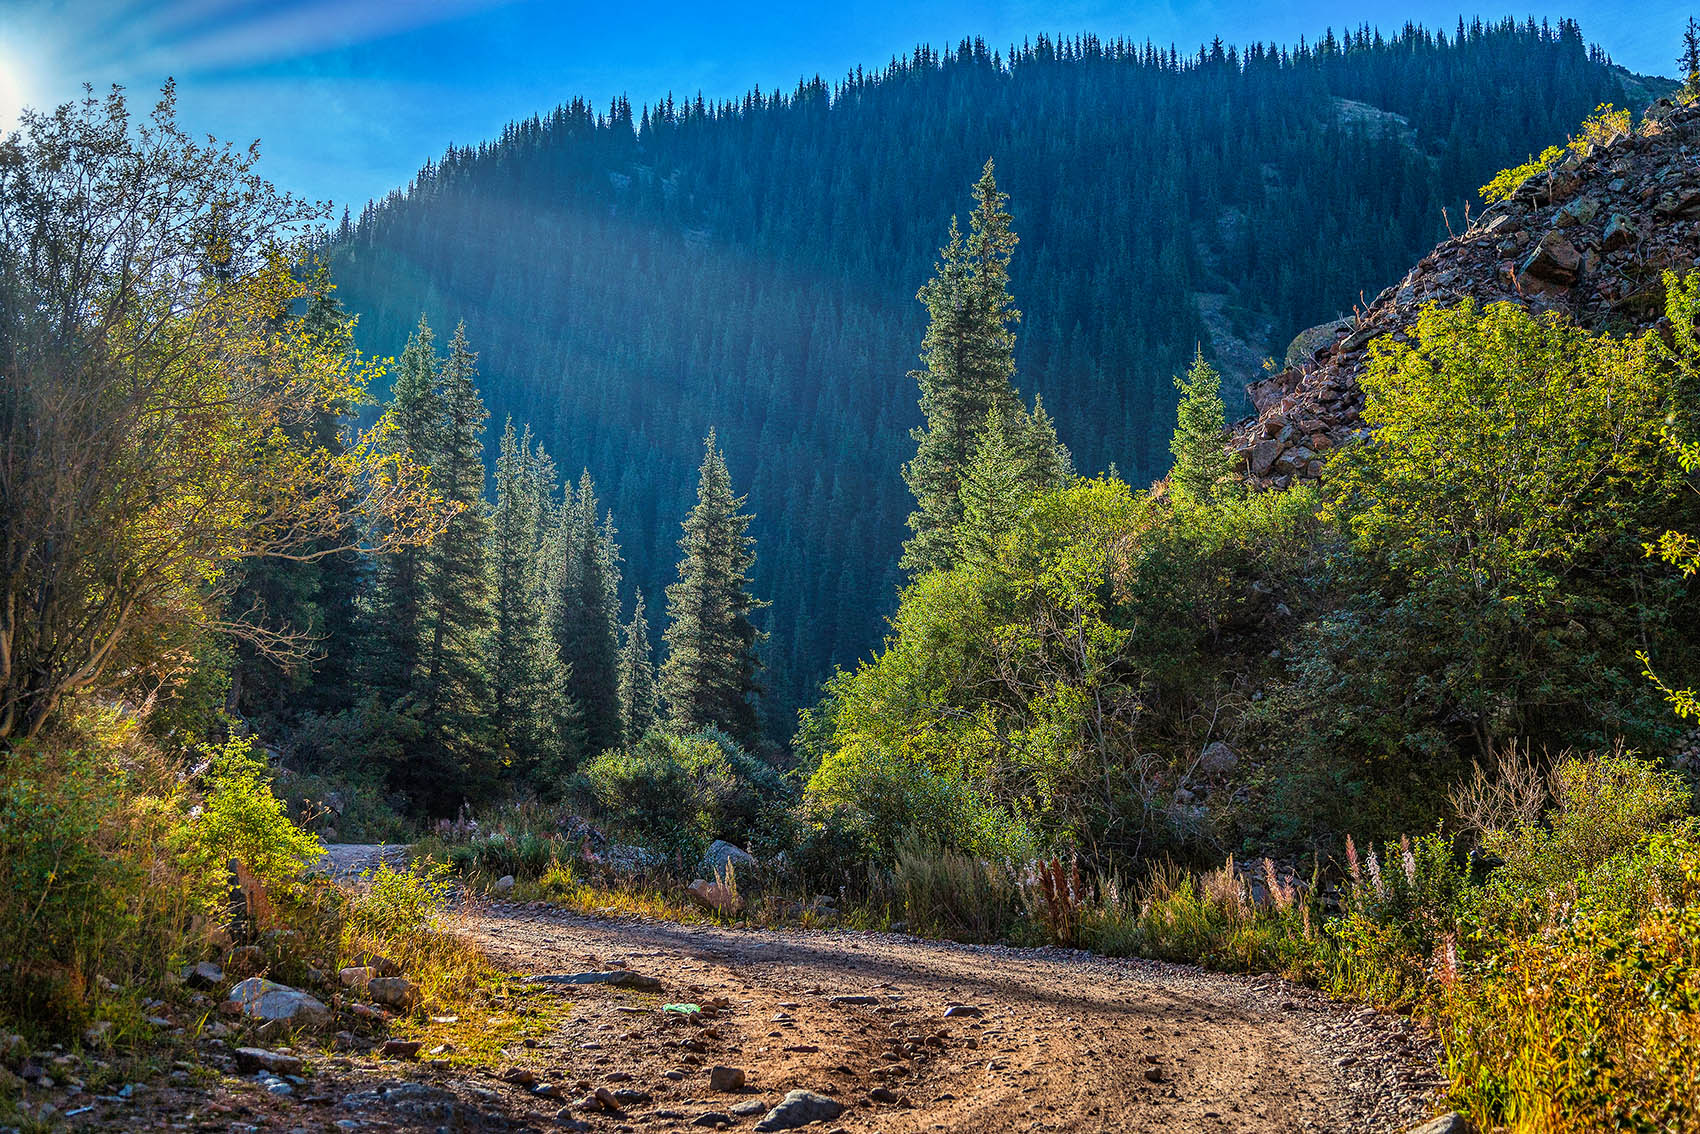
x,y
640,274
494,656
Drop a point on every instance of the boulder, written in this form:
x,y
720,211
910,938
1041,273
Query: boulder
x,y
261,999
503,884
722,1078
203,975
1309,341
625,858
1263,456
1683,201
394,992
1218,759
720,855
1620,233
356,977
1552,266
261,1059
715,896
1453,1123
799,1108
380,965
1580,211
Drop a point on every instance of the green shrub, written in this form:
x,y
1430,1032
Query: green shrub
x,y
240,818
1590,1026
676,794
523,854
65,898
882,799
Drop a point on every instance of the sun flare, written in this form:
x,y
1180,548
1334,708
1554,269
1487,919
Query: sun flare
x,y
14,89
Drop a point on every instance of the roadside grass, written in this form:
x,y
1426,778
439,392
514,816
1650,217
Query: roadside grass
x,y
1563,980
500,1013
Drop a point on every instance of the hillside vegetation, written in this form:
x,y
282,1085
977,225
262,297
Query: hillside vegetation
x,y
1412,730
638,274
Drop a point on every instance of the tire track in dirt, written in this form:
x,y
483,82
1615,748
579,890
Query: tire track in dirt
x,y
1064,1041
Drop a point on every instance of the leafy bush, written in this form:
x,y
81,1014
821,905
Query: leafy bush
x,y
66,909
1603,806
1592,1024
883,799
110,867
241,819
1600,128
676,794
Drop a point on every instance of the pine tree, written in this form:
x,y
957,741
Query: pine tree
x,y
969,357
1045,460
518,658
638,708
454,694
1688,63
395,641
1015,456
1203,470
993,488
583,616
709,677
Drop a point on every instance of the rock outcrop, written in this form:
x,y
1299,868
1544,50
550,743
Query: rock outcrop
x,y
1590,238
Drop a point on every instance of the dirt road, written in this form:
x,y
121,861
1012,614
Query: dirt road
x,y
892,1033
1041,1039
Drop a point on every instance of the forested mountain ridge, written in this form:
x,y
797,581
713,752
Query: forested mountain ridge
x,y
636,277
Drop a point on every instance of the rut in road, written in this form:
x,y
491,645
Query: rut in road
x,y
1062,1041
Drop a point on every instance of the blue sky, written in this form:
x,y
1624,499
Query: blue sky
x,y
349,97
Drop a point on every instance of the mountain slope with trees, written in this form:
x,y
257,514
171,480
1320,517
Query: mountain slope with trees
x,y
638,276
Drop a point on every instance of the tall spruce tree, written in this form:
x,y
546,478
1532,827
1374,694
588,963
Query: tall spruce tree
x,y
395,639
454,690
638,707
1045,460
1203,469
520,658
969,357
583,616
709,677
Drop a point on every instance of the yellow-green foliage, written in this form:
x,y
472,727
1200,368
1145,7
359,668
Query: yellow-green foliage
x,y
79,896
1598,129
1516,465
1681,550
404,915
240,818
110,866
1579,1009
1505,182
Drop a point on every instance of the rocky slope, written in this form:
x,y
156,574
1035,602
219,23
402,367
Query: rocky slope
x,y
1589,238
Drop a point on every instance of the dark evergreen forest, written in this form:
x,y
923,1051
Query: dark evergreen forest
x,y
634,277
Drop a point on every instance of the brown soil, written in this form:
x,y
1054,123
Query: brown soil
x,y
1062,1041
1065,1041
